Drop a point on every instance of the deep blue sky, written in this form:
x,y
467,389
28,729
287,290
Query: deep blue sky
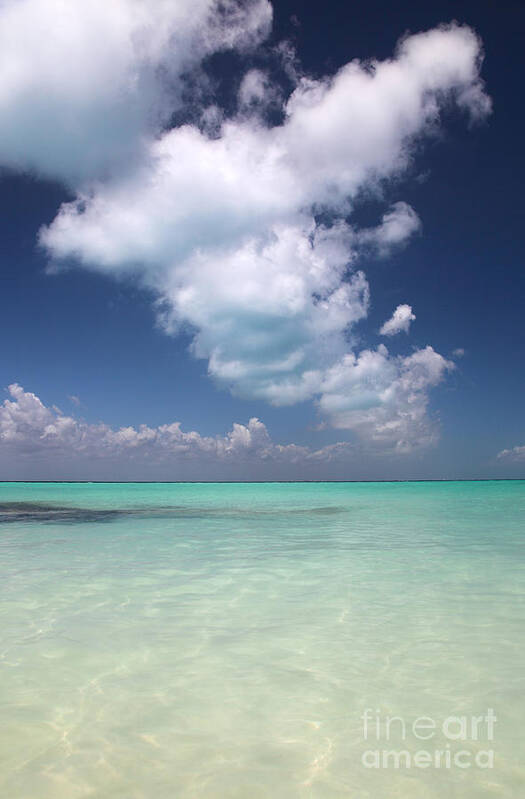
x,y
78,333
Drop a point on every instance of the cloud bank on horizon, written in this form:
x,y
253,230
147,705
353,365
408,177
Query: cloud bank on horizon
x,y
30,428
241,224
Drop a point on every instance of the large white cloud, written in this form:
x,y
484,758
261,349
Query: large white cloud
x,y
243,228
83,85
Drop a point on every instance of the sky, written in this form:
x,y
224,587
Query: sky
x,y
255,241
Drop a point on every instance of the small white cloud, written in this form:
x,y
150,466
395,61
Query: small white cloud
x,y
399,321
516,454
397,226
256,90
384,399
459,352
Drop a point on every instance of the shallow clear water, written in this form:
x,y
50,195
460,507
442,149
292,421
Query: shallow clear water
x,y
224,640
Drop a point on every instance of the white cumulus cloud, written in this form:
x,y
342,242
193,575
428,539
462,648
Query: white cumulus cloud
x,y
384,399
29,428
84,85
399,321
242,227
398,224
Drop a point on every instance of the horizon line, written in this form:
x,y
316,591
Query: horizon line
x,y
259,482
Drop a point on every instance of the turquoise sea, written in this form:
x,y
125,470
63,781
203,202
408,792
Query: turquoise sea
x,y
228,641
